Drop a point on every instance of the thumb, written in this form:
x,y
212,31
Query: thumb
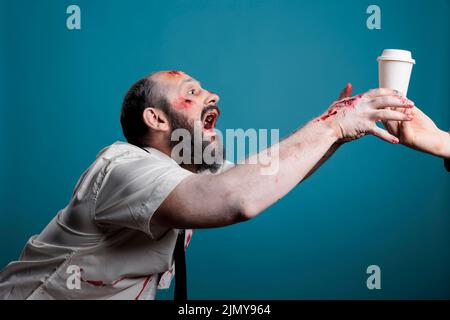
x,y
407,131
392,126
347,92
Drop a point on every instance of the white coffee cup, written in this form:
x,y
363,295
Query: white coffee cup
x,y
394,69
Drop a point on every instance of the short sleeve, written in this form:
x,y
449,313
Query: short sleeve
x,y
133,190
227,165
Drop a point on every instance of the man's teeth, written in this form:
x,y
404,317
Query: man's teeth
x,y
208,123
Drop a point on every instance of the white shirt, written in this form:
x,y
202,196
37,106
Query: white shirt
x,y
103,244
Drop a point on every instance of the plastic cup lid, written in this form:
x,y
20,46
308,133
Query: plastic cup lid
x,y
396,55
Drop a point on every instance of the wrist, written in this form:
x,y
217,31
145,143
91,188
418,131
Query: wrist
x,y
332,127
327,129
444,151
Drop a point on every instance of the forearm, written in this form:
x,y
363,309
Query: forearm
x,y
325,158
254,191
444,152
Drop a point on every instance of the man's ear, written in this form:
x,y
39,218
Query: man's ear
x,y
155,119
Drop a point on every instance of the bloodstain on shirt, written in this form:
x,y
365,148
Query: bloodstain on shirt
x,y
188,239
143,287
100,283
97,283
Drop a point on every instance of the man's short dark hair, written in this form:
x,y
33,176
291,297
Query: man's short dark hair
x,y
143,94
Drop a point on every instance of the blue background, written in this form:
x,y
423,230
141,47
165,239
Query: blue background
x,y
276,64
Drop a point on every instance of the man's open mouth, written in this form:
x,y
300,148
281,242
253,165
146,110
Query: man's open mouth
x,y
210,118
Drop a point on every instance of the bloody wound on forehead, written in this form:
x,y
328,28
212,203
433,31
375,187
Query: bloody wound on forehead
x,y
175,73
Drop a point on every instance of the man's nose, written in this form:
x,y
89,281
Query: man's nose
x,y
212,99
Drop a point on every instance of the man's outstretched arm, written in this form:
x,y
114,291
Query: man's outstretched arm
x,y
243,192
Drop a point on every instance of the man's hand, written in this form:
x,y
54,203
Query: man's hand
x,y
347,92
355,117
421,134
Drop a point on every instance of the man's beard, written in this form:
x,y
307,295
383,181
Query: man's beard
x,y
178,121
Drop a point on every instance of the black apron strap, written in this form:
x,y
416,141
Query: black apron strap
x,y
180,269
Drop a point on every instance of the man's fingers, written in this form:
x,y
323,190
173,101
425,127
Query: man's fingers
x,y
391,101
383,134
387,114
347,92
383,92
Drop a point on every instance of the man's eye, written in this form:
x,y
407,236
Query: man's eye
x,y
192,91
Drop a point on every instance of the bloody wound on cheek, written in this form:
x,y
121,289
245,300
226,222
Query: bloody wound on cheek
x,y
182,103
